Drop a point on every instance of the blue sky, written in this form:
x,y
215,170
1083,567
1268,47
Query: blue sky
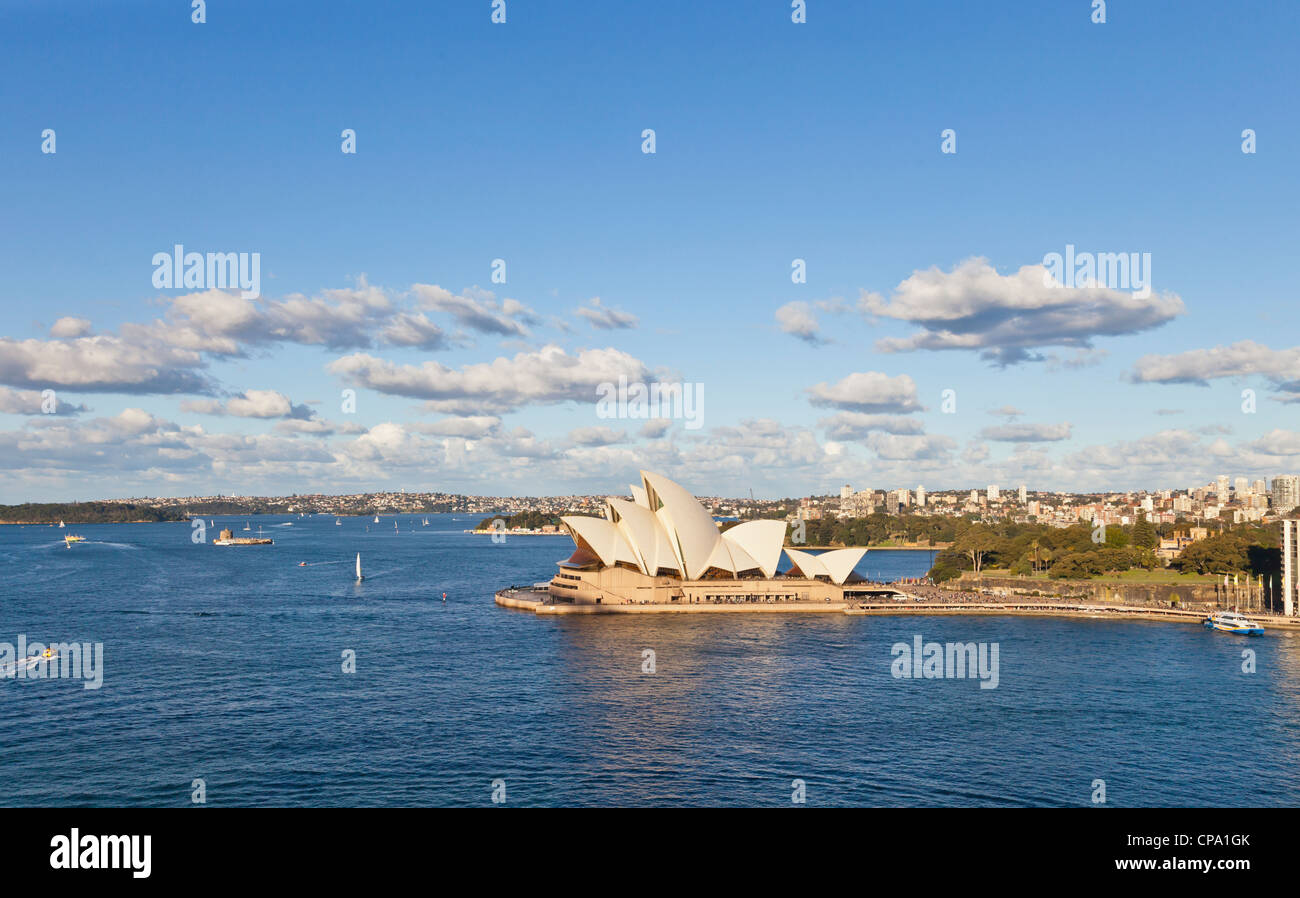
x,y
522,141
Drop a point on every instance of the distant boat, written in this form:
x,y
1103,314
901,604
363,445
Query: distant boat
x,y
359,577
211,523
1232,622
426,522
376,519
246,527
62,525
73,538
338,523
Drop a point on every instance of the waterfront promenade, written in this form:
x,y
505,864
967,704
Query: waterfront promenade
x,y
919,600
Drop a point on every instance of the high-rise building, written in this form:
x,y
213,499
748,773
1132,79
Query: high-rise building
x,y
1221,488
1241,486
993,492
1290,565
920,496
846,491
1286,492
1023,494
1259,488
974,496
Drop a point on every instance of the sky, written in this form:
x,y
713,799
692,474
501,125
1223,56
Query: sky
x,y
919,163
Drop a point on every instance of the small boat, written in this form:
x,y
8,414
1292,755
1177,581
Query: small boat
x,y
425,522
1232,622
73,538
396,529
302,564
376,519
338,523
62,525
246,527
359,577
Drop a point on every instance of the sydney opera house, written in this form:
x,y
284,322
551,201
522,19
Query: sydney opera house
x,y
662,547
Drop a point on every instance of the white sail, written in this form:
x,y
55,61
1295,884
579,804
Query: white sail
x,y
358,567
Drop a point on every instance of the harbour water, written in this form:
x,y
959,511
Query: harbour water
x,y
225,664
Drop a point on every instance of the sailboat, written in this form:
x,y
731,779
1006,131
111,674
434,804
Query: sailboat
x,y
376,519
359,577
396,529
62,525
338,523
426,522
246,527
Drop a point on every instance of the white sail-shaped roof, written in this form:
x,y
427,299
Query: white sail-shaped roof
x,y
840,563
729,557
837,565
761,540
644,534
807,563
603,537
638,496
692,533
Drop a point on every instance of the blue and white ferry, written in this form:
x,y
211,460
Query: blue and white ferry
x,y
1232,622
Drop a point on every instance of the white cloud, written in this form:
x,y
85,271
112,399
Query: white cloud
x,y
1006,317
606,318
868,391
547,375
1027,433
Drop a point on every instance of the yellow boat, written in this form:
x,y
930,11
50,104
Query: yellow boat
x,y
70,538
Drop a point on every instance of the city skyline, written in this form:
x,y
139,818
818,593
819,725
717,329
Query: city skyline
x,y
841,298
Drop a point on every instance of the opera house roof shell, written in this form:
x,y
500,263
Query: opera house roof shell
x,y
664,530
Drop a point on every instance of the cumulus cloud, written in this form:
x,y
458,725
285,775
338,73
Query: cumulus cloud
x,y
856,425
103,364
1241,359
597,436
478,309
895,447
252,404
547,375
606,318
473,426
655,428
797,320
32,402
70,327
1027,433
867,391
1007,317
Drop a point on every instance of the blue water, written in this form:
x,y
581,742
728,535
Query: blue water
x,y
225,664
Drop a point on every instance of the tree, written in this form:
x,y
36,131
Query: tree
x,y
1144,534
976,543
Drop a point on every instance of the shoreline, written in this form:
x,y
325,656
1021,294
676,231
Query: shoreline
x,y
532,600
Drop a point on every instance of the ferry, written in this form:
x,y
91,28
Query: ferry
x,y
1232,622
73,538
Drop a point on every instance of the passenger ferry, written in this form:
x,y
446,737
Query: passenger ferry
x,y
1232,622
